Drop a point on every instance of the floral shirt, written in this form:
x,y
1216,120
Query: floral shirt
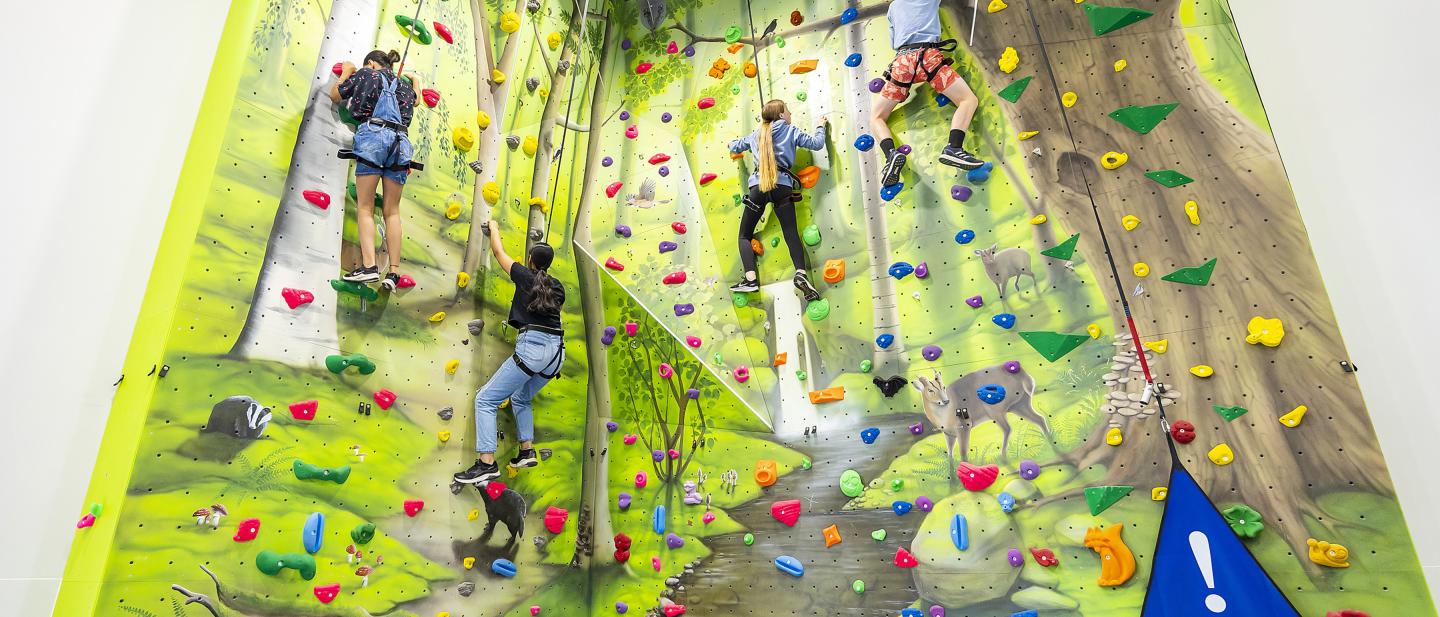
x,y
362,91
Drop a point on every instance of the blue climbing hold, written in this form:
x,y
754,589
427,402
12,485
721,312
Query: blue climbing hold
x,y
1004,320
901,508
790,565
960,532
966,236
314,531
941,100
1007,502
849,15
657,520
503,567
980,174
885,340
1030,613
991,393
852,60
901,269
864,143
911,612
869,435
889,191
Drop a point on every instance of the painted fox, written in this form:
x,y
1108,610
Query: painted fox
x,y
1117,563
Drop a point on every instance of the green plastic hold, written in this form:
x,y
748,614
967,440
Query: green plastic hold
x,y
96,509
1143,118
718,358
866,365
774,242
736,198
740,300
363,533
734,89
851,484
805,463
1230,413
749,539
1099,498
810,235
1169,178
414,30
338,363
800,96
1198,275
878,535
306,471
271,562
858,586
1054,345
780,42
897,484
1065,250
1246,522
818,309
732,34
356,289
1107,19
1016,88
802,375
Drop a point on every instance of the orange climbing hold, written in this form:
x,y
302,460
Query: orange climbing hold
x,y
750,69
734,47
765,472
809,176
832,535
756,247
1117,563
827,395
803,66
780,359
717,70
834,271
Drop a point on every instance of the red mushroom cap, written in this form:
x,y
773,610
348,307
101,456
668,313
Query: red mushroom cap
x,y
221,509
363,571
202,512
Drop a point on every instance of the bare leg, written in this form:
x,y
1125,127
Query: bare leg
x,y
393,236
965,104
880,109
365,217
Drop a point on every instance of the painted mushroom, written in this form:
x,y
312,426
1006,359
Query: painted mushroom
x,y
350,554
201,515
364,573
378,559
217,512
355,451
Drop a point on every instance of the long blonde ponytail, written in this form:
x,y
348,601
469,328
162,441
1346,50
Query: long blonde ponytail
x,y
765,144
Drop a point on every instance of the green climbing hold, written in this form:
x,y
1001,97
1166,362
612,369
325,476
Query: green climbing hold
x,y
414,30
1100,498
749,539
805,463
734,89
810,235
1065,250
897,484
858,586
878,535
1054,345
851,484
1230,413
1142,118
866,365
358,289
718,359
740,300
338,363
818,309
802,375
1244,520
1169,178
780,41
363,533
96,509
1107,19
774,242
1198,275
1016,88
732,34
800,96
307,471
271,562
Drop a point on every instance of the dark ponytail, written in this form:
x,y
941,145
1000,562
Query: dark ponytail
x,y
543,298
383,58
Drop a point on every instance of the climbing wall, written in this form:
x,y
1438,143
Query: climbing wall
x,y
921,441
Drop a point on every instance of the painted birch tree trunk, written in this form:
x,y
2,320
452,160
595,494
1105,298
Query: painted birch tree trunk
x,y
554,107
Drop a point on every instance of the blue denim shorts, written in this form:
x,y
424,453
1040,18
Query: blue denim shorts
x,y
398,177
375,143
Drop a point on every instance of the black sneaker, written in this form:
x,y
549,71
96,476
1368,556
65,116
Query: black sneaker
x,y
390,281
524,458
958,157
479,473
802,283
746,286
890,173
363,274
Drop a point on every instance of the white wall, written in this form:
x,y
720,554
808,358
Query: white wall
x,y
96,175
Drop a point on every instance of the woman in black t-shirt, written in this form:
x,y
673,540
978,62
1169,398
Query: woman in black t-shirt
x,y
539,353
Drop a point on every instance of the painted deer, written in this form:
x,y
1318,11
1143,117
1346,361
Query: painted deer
x,y
956,409
1001,266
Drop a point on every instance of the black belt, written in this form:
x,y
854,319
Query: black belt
x,y
945,45
539,328
394,126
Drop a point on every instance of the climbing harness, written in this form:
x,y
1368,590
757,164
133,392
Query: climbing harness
x,y
386,117
551,369
924,49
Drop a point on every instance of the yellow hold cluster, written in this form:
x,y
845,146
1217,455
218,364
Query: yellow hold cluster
x,y
1009,60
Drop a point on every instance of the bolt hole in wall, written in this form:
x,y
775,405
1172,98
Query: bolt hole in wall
x,y
732,425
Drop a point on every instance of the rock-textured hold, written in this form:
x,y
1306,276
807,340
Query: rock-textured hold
x,y
466,588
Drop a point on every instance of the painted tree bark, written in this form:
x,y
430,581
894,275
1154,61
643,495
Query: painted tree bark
x,y
559,91
303,251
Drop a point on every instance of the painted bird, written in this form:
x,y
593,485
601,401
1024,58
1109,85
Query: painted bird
x,y
645,198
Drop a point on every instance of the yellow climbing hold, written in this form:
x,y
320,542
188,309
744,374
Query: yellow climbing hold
x,y
1024,135
540,201
1192,210
1141,268
509,22
438,317
497,76
1159,493
1068,99
470,561
453,205
1267,332
462,279
1038,219
996,6
491,192
1114,437
1328,554
1221,455
463,137
1113,159
1093,330
482,120
553,40
1202,370
530,145
543,92
1130,222
1009,60
443,435
1120,65
1159,346
452,366
474,514
1293,418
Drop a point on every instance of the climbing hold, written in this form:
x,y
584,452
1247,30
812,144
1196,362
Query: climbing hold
x,y
1142,118
1065,250
1044,557
363,533
1120,65
430,96
858,586
961,193
1221,455
741,373
509,22
922,270
1202,370
1025,135
1159,346
800,67
529,146
931,352
975,301
901,508
1009,60
1159,493
307,471
244,532
705,103
1198,275
1029,469
903,558
1113,159
889,191
321,199
313,532
796,18
1053,345
491,193
818,310
294,298
463,138
852,60
1011,366
878,535
1114,437
1294,416
1244,520
960,532
614,264
732,34
657,520
850,483
555,519
892,386
674,278
271,563
869,435
673,541
991,394
413,30
1230,413
787,511
693,342
876,85
965,236
1117,563
1016,88
444,436
632,131
1015,558
765,472
996,6
1007,502
503,567
1141,269
848,15
707,178
610,191
827,395
357,289
1093,330
976,477
864,143
1068,99
337,364
1262,331
482,119
1107,19
1182,431
444,32
1192,211
1169,178
1100,498
1328,554
666,246
897,484
810,235
462,279
790,565
1004,320
1129,222
834,271
384,398
437,317
623,501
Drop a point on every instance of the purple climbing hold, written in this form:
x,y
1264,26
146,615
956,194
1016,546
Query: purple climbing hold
x,y
666,117
876,85
931,352
924,504
623,501
666,246
961,193
975,301
1029,469
849,15
689,51
622,231
657,456
608,336
693,393
664,170
612,426
673,541
1012,366
852,60
621,607
682,310
937,611
1014,557
917,428
607,161
922,270
624,115
905,149
1004,320
625,44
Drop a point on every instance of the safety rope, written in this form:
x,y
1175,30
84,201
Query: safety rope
x,y
569,103
404,54
754,53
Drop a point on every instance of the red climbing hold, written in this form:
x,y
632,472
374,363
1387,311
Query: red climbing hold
x,y
413,506
976,477
384,398
405,282
614,188
320,198
706,178
1182,431
444,32
674,278
304,410
1044,556
705,103
555,519
642,68
431,96
659,158
494,488
296,297
338,68
612,264
678,226
787,511
672,48
622,548
673,610
248,529
903,558
327,593
796,18
1347,613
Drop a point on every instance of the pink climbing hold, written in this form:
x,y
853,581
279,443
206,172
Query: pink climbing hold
x,y
741,373
338,68
535,610
405,282
674,278
693,342
672,48
643,68
612,264
555,519
384,398
414,506
431,96
665,370
321,199
614,188
247,530
658,158
304,410
444,32
706,103
678,226
708,518
630,438
296,297
787,511
632,131
85,521
631,328
706,178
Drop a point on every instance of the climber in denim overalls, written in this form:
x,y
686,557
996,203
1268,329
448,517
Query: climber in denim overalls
x,y
382,104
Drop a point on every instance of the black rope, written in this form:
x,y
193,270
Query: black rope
x,y
754,53
405,54
569,103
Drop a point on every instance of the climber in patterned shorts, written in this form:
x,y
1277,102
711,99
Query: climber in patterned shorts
x,y
920,58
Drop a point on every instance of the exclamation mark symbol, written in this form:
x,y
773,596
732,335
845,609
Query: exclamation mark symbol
x,y
1200,546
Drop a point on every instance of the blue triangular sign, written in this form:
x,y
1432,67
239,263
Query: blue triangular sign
x,y
1201,567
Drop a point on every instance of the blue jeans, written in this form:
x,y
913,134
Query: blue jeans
x,y
542,353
